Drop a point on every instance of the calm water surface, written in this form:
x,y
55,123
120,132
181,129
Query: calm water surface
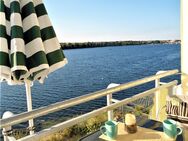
x,y
90,70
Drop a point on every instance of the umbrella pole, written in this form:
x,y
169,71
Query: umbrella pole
x,y
29,105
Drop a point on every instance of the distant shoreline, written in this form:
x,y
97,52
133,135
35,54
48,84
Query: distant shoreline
x,y
114,43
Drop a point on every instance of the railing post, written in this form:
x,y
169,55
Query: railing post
x,y
159,101
172,90
7,131
157,97
109,101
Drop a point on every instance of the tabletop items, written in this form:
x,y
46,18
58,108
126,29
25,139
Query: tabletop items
x,y
110,129
118,131
130,123
142,134
171,129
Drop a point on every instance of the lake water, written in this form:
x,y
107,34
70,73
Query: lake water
x,y
94,69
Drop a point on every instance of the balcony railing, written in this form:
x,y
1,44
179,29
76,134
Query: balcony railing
x,y
15,119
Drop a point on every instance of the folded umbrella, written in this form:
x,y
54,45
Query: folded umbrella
x,y
29,48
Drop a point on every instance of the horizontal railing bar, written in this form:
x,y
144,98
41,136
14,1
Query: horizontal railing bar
x,y
162,83
115,100
10,138
78,100
94,113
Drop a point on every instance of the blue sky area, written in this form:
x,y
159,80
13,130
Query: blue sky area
x,y
109,20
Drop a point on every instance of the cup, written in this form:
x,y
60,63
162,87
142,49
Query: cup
x,y
170,128
110,129
130,123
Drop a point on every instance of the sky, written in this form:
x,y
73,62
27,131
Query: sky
x,y
114,20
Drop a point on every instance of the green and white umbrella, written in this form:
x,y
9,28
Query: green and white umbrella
x,y
29,48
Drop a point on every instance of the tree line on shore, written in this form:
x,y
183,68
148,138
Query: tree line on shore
x,y
114,43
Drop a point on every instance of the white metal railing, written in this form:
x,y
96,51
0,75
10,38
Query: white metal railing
x,y
75,101
78,100
83,117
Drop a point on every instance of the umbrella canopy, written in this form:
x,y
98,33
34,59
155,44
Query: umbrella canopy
x,y
29,48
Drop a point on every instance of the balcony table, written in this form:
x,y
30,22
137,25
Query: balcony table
x,y
142,134
150,131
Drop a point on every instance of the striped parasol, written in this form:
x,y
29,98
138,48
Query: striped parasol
x,y
29,48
